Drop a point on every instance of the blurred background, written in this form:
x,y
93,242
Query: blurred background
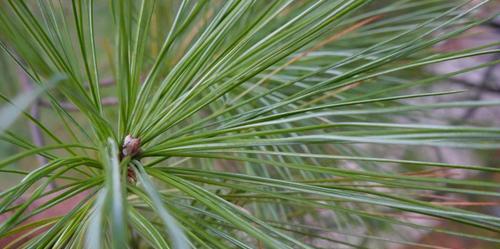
x,y
482,84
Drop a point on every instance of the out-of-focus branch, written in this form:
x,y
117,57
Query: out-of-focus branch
x,y
36,133
107,82
488,75
486,87
68,106
107,101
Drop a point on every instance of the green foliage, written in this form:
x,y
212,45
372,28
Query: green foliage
x,y
252,121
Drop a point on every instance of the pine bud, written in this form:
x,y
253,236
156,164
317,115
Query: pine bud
x,y
131,146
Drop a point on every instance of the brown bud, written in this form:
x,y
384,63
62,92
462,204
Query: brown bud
x,y
131,176
131,146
